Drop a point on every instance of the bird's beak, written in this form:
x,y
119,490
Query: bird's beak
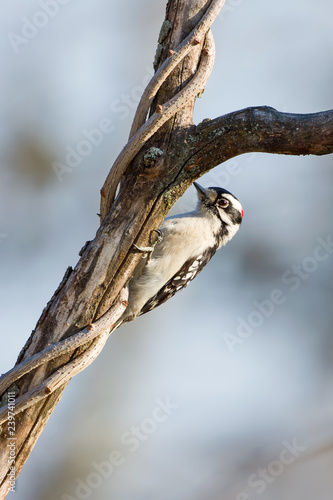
x,y
205,195
200,190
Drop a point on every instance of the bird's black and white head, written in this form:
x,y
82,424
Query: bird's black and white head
x,y
224,207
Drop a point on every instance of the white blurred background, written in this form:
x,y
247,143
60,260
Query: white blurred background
x,y
237,404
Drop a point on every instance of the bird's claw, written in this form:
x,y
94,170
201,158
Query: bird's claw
x,y
149,250
143,249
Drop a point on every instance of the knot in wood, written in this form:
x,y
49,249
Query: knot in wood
x,y
153,157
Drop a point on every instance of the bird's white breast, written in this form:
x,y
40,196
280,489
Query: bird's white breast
x,y
183,239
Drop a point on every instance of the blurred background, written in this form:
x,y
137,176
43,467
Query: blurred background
x,y
220,393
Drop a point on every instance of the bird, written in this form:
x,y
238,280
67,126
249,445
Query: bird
x,y
186,243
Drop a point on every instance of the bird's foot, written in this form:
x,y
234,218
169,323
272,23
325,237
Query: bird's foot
x,y
149,250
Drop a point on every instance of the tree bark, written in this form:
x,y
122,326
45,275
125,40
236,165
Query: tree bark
x,y
107,262
257,129
150,186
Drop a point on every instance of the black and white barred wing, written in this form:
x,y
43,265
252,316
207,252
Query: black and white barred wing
x,y
184,276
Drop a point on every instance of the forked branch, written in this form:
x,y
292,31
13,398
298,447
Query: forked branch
x,y
106,264
101,329
155,122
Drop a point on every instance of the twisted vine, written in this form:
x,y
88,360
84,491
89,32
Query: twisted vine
x,y
141,131
95,336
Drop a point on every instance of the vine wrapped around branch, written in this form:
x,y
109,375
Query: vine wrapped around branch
x,y
98,332
155,122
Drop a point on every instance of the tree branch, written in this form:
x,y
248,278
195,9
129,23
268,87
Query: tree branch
x,y
155,122
107,263
258,129
175,57
97,332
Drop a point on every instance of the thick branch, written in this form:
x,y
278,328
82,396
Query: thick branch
x,y
107,263
259,129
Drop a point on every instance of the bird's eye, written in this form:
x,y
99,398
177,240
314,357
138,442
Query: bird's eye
x,y
223,203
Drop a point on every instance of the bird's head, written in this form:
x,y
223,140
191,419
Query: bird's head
x,y
222,203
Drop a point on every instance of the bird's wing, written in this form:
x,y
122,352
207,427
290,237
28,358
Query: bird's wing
x,y
180,280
